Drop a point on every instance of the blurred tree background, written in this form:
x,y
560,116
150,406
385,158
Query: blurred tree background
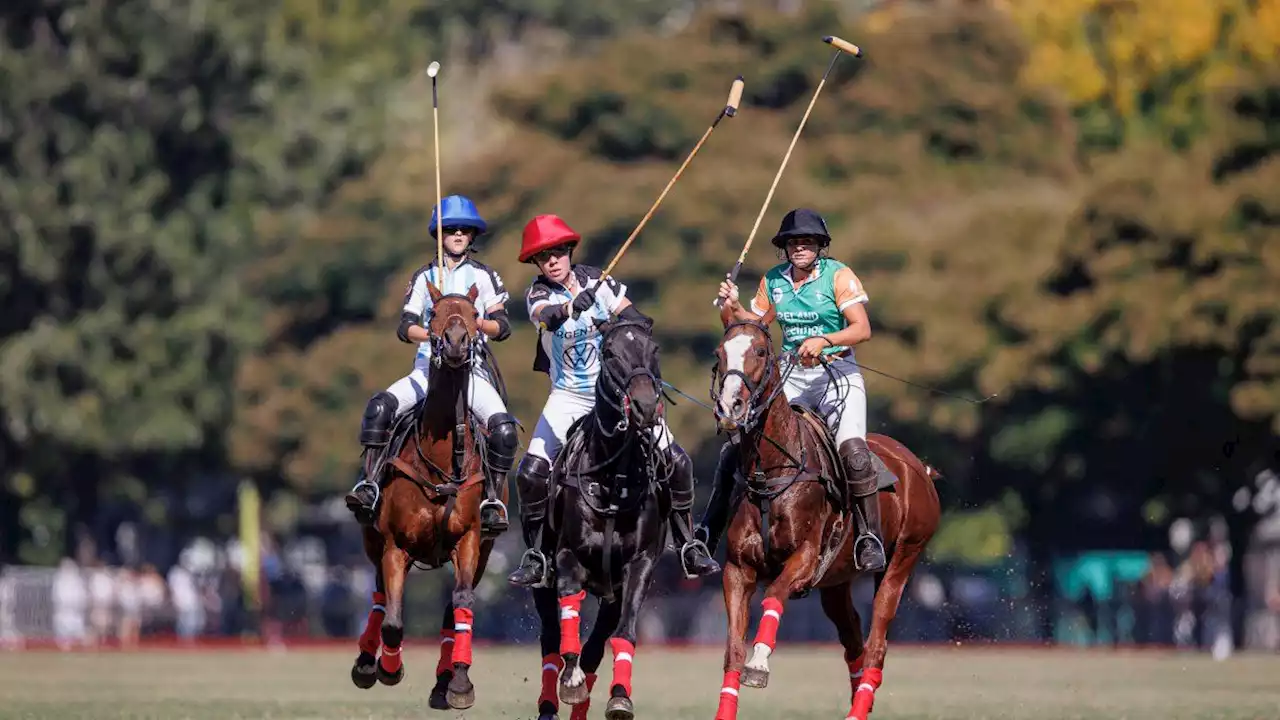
x,y
210,211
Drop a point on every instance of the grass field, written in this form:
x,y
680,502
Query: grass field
x,y
807,683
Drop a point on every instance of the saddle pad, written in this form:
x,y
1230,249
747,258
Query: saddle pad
x,y
885,478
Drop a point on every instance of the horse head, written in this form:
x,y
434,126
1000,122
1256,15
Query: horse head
x,y
630,373
744,365
454,326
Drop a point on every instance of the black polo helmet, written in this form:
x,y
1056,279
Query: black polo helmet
x,y
802,222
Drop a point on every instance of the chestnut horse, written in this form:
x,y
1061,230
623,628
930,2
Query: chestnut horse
x,y
429,512
795,488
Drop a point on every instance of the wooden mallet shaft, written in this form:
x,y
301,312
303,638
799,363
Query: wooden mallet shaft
x,y
730,109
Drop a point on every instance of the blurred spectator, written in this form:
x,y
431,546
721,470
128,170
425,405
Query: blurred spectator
x,y
187,605
70,603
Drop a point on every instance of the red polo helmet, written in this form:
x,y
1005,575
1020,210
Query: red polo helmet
x,y
543,232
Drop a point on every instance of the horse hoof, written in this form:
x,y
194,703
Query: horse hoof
x,y
389,678
751,677
547,711
364,677
439,700
462,693
619,708
574,695
461,700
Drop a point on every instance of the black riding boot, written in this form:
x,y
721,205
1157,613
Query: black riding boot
x,y
375,433
532,480
869,547
500,455
695,558
716,514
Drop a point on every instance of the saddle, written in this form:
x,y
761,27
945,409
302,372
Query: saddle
x,y
401,431
601,498
885,478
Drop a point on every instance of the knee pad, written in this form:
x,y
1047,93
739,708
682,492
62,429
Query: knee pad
x,y
681,478
532,478
375,427
503,437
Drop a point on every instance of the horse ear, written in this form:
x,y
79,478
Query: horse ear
x,y
473,293
434,292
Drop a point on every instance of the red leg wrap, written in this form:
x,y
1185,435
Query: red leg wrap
x,y
445,664
865,696
728,709
371,638
551,667
571,623
768,631
623,658
462,620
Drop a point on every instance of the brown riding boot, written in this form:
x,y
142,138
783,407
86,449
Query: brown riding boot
x,y
861,476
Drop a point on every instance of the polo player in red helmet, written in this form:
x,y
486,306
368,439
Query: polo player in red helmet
x,y
569,352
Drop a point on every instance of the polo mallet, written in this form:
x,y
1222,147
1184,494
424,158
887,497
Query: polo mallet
x,y
730,109
841,46
432,71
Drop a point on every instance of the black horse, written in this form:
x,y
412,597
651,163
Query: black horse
x,y
608,522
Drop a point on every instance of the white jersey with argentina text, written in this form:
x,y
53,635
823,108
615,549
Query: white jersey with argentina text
x,y
571,354
491,295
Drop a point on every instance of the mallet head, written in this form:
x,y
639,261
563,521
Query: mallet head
x,y
735,97
433,69
843,45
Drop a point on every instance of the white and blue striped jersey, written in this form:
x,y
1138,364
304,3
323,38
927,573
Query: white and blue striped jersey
x,y
571,354
491,295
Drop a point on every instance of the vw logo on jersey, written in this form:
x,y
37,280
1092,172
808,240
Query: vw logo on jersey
x,y
580,355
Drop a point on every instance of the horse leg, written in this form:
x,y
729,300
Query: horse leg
x,y
798,568
444,666
544,601
739,586
884,610
593,651
395,565
362,672
837,603
635,586
461,693
569,571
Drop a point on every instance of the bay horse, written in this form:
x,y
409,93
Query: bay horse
x,y
607,525
429,512
795,491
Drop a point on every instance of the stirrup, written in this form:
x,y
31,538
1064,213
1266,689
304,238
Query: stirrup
x,y
377,491
877,543
504,520
537,556
684,550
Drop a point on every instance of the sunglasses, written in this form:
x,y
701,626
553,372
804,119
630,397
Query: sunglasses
x,y
554,252
456,229
802,242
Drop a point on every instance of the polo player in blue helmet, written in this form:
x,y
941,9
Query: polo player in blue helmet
x,y
461,226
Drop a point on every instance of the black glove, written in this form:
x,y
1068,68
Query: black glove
x,y
584,301
554,316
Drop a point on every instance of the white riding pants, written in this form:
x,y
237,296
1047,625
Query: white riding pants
x,y
843,402
563,408
482,398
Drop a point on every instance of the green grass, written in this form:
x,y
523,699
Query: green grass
x,y
807,683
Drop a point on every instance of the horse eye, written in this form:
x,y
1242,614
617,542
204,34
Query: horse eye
x,y
760,352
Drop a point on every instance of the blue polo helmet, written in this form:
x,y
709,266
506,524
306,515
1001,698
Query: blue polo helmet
x,y
460,211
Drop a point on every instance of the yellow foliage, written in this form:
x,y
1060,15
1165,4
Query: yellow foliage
x,y
1114,51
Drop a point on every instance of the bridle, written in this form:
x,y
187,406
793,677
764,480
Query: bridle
x,y
437,342
756,408
616,385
